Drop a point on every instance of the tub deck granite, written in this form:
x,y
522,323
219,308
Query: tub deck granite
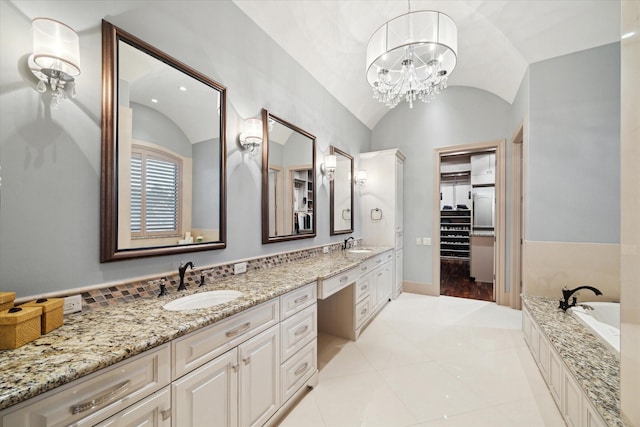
x,y
594,365
90,341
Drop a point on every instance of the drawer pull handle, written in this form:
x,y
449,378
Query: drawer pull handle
x,y
363,311
344,279
363,287
239,330
302,368
379,274
235,368
301,330
301,299
378,261
109,395
166,414
363,269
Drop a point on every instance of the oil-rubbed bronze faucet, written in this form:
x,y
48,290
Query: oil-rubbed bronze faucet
x,y
181,271
566,294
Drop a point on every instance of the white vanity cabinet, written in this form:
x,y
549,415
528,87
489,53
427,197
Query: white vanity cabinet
x,y
381,204
572,401
346,312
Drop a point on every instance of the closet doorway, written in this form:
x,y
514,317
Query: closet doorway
x,y
469,219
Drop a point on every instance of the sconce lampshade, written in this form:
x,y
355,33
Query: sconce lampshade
x,y
56,46
251,138
330,162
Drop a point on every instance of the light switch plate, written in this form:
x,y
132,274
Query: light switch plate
x,y
426,241
240,268
325,249
418,241
72,304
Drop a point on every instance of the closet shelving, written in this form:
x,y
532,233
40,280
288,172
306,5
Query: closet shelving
x,y
455,230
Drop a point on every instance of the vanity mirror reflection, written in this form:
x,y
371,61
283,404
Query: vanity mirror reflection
x,y
288,181
341,194
163,153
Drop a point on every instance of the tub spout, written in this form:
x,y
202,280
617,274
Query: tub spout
x,y
567,294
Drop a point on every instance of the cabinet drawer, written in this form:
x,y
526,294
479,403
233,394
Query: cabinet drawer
x,y
297,370
362,288
362,312
330,286
296,300
199,347
155,410
296,331
100,395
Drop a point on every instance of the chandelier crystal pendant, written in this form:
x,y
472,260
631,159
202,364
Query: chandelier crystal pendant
x,y
411,56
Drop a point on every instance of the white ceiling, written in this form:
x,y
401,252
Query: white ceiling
x,y
497,39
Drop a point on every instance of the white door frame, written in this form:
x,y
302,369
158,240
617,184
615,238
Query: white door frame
x,y
501,296
517,213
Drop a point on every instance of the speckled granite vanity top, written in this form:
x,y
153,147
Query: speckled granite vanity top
x,y
99,338
594,365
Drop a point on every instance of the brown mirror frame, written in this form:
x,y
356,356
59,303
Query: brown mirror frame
x,y
109,175
332,206
266,238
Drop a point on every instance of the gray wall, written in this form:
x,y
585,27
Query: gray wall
x,y
574,151
50,194
152,126
459,115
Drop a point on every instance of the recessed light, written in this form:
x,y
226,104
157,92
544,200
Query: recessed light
x,y
155,101
182,88
627,35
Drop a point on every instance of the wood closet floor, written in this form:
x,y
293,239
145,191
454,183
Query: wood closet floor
x,y
455,282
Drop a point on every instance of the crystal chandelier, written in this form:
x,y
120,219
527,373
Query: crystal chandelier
x,y
411,56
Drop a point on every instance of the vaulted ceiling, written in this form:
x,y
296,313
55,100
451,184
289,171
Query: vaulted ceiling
x,y
497,39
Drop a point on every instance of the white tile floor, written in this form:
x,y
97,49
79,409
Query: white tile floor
x,y
426,362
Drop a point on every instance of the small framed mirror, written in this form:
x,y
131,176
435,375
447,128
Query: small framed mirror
x,y
341,194
163,153
288,181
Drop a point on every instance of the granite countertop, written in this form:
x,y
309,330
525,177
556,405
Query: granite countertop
x,y
595,366
99,338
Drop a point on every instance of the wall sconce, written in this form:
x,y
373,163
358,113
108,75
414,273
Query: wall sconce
x,y
328,168
55,60
251,138
361,178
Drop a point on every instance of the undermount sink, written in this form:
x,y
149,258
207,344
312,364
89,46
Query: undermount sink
x,y
202,300
359,251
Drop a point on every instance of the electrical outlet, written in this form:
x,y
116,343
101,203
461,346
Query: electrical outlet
x,y
240,268
426,241
325,249
72,304
418,241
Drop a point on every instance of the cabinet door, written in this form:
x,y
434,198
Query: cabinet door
x,y
398,274
155,411
259,377
462,195
571,401
399,194
555,377
483,169
208,396
447,197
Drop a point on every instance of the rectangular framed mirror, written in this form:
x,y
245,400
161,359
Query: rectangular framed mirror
x,y
163,153
288,181
341,194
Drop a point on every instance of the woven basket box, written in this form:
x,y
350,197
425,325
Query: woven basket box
x,y
6,300
52,313
19,327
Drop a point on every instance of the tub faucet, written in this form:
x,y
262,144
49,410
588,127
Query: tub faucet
x,y
567,293
181,270
345,245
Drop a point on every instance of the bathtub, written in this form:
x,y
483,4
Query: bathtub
x,y
603,321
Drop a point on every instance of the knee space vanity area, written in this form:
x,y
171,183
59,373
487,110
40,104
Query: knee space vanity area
x,y
243,363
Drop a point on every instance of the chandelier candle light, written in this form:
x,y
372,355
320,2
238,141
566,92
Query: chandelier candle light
x,y
411,56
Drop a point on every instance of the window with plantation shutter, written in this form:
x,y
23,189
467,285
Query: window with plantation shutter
x,y
155,193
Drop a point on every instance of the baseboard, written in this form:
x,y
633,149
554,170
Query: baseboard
x,y
421,288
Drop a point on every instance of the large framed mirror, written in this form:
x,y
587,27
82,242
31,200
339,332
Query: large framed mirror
x,y
163,153
341,194
288,181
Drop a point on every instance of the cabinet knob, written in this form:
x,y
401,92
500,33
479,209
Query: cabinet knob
x,y
235,368
247,360
166,414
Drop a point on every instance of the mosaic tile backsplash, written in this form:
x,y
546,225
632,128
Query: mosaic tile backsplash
x,y
129,291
